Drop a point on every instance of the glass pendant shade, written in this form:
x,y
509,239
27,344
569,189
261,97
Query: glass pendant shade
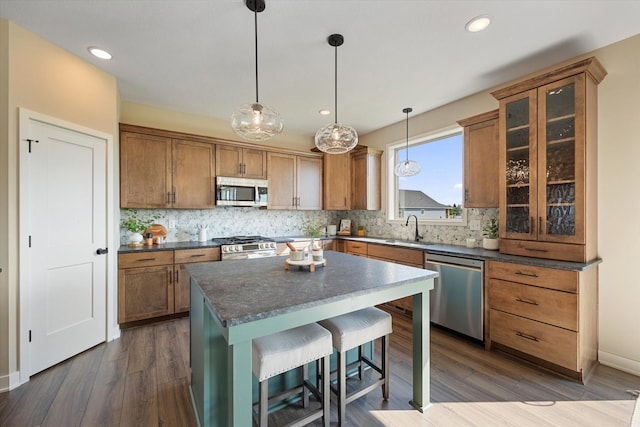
x,y
256,122
336,138
407,167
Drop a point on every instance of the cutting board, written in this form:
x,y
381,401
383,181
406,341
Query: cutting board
x,y
156,230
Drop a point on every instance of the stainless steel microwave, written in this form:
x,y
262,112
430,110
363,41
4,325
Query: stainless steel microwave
x,y
231,191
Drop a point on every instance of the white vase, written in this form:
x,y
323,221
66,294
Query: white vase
x,y
490,244
135,237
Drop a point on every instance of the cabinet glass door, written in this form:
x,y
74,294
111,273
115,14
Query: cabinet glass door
x,y
520,165
560,138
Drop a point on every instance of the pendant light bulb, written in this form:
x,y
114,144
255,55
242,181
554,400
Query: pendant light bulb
x,y
407,167
256,121
336,138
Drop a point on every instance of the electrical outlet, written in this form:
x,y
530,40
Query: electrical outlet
x,y
172,223
474,225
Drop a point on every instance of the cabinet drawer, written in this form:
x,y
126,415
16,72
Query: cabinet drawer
x,y
356,248
185,256
412,257
145,259
562,280
549,250
545,305
543,341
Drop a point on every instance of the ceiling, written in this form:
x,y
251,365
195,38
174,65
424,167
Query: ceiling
x,y
197,56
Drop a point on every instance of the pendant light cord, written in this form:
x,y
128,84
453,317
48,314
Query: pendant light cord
x,y
255,32
407,149
335,92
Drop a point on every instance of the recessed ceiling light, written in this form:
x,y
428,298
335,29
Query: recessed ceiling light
x,y
99,53
478,23
324,112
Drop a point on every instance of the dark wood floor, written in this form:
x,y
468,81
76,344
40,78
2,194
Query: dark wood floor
x,y
142,379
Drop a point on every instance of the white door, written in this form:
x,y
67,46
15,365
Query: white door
x,y
65,224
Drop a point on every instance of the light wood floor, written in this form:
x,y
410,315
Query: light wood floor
x,y
142,379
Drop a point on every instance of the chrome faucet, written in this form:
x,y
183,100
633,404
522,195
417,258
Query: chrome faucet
x,y
418,237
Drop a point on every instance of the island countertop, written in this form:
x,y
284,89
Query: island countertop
x,y
244,291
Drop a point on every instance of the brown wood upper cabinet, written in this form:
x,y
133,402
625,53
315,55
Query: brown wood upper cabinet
x,y
547,163
158,171
365,179
352,180
337,179
295,182
481,160
241,162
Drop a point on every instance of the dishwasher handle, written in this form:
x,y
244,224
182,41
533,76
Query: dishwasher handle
x,y
448,264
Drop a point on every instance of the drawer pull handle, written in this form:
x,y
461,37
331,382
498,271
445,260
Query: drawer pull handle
x,y
536,250
526,301
520,273
197,255
529,337
145,259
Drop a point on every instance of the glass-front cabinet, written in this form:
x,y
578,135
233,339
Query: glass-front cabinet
x,y
548,164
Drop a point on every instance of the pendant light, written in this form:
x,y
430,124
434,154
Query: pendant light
x,y
336,138
407,167
256,121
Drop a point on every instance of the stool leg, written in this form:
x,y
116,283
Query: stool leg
x,y
385,367
360,370
263,403
305,377
326,391
342,387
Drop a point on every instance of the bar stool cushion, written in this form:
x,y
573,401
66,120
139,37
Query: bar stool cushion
x,y
354,329
286,350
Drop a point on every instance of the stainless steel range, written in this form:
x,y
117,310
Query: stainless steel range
x,y
246,247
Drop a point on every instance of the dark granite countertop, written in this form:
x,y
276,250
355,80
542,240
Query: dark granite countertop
x,y
247,290
451,250
169,246
477,253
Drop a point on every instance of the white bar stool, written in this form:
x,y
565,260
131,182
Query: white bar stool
x,y
352,330
283,351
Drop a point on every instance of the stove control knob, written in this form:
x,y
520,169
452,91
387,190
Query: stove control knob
x,y
224,249
238,248
272,245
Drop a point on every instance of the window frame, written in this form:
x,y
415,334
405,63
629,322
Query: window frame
x,y
392,179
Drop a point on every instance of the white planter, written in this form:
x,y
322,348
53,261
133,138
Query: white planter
x,y
135,238
490,244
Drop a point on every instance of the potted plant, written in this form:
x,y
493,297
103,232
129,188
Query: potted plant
x,y
491,234
136,225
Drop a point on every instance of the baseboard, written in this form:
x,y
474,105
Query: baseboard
x,y
9,382
618,362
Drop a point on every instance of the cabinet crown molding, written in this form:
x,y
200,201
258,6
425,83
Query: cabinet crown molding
x,y
591,66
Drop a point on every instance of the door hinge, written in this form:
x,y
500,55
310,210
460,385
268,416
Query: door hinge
x,y
30,141
29,241
29,335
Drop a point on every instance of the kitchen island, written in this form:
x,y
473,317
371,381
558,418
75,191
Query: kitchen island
x,y
233,302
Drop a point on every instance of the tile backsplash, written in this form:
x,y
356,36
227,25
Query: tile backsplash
x,y
234,221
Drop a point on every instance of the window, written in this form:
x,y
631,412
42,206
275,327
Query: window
x,y
435,194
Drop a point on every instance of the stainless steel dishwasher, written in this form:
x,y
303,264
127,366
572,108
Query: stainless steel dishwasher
x,y
457,298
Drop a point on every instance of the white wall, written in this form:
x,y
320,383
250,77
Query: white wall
x,y
618,193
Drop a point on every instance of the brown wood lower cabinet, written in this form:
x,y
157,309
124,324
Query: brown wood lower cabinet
x,y
548,316
154,283
395,254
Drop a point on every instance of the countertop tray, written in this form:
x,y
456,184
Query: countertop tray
x,y
305,262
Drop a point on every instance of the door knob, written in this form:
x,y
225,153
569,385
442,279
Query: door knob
x,y
102,251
